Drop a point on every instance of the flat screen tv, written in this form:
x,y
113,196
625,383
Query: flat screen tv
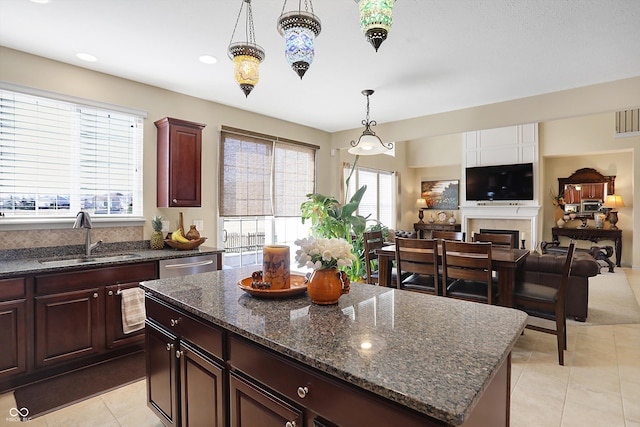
x,y
502,182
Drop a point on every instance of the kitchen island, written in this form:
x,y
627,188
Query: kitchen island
x,y
379,357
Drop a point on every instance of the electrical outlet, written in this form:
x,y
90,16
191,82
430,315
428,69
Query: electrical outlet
x,y
199,224
165,225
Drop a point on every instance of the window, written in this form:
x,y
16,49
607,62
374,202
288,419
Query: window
x,y
263,181
379,199
58,157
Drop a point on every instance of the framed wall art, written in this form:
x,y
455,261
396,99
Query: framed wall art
x,y
440,194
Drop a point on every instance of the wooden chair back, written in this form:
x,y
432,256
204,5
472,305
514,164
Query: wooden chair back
x,y
466,271
459,236
372,240
547,302
417,265
497,239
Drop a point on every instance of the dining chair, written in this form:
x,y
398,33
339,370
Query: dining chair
x,y
546,302
466,269
417,265
459,236
497,239
374,240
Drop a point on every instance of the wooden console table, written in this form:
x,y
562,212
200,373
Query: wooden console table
x,y
421,227
593,235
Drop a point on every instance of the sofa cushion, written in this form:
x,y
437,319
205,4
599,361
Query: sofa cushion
x,y
583,264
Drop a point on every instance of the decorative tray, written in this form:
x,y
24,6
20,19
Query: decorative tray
x,y
185,246
297,283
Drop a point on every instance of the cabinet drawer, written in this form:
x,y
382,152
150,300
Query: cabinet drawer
x,y
12,288
207,337
62,282
327,397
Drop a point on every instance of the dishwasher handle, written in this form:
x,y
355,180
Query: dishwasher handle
x,y
189,264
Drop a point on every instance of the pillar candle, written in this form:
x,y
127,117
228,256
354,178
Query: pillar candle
x,y
524,236
275,268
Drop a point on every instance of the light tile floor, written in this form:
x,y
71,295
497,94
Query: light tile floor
x,y
598,386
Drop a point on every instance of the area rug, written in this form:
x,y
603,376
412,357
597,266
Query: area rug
x,y
64,390
611,300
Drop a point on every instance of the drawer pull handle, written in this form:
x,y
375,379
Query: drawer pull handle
x,y
169,346
110,293
179,354
174,322
291,424
95,295
302,392
175,200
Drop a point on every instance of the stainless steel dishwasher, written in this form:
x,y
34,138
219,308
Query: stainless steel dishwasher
x,y
189,265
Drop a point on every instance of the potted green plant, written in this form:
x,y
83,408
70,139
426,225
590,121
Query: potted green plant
x,y
332,219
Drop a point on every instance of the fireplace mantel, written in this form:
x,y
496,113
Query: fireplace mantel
x,y
497,214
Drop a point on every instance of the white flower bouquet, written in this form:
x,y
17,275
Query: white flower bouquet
x,y
320,253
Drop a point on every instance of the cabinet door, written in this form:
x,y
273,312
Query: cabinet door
x,y
201,389
179,163
113,318
13,321
162,374
252,405
68,326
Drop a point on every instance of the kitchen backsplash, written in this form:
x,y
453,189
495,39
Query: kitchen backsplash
x,y
46,238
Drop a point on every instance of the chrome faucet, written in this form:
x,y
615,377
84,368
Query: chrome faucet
x,y
83,220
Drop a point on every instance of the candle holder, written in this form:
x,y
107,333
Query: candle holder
x,y
523,246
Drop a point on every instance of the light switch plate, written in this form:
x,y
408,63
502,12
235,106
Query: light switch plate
x,y
199,224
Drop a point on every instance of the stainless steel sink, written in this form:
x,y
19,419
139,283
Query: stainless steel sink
x,y
88,260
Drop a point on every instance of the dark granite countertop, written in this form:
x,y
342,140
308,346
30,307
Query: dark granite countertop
x,y
433,354
29,261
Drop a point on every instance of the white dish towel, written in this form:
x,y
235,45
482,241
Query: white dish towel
x,y
133,313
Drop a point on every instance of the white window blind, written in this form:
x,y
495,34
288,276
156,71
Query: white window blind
x,y
59,157
379,198
263,176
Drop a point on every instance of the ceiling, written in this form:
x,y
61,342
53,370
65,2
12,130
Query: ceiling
x,y
441,55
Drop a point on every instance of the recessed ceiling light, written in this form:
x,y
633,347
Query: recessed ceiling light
x,y
208,59
86,57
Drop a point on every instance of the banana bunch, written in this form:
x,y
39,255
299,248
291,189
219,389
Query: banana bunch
x,y
178,237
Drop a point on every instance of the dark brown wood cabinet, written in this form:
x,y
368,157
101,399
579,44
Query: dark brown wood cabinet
x,y
252,405
13,327
185,371
68,326
70,312
202,391
179,163
424,229
113,313
162,377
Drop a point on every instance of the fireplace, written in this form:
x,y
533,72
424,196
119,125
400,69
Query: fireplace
x,y
514,233
509,217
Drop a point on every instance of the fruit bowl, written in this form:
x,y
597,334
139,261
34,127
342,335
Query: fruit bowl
x,y
185,246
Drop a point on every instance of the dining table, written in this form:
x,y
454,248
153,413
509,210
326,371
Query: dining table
x,y
505,261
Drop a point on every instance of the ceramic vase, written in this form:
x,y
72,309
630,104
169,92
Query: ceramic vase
x,y
327,285
193,233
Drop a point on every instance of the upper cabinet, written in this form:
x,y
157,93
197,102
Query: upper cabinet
x,y
179,163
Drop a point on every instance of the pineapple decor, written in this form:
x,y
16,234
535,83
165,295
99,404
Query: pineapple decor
x,y
157,239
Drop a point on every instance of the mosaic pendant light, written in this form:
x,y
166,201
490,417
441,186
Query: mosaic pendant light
x,y
376,18
246,55
299,29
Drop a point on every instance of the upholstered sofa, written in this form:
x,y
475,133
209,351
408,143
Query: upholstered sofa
x,y
546,269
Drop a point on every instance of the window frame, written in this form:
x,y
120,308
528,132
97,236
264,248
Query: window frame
x,y
11,223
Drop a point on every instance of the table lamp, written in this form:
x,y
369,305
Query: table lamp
x,y
613,201
421,204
